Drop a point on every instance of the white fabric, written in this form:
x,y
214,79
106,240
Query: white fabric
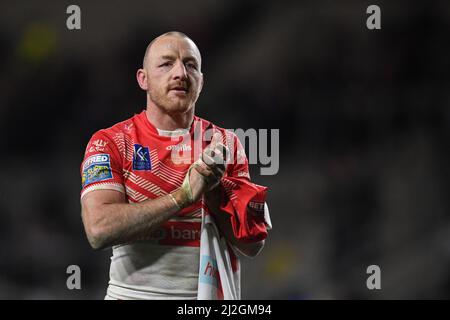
x,y
267,219
214,249
149,271
214,252
172,133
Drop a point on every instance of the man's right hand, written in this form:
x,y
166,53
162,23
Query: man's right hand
x,y
205,174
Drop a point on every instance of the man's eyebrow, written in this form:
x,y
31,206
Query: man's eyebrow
x,y
171,57
190,58
167,57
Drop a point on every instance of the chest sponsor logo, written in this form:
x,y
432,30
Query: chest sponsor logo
x,y
141,158
96,168
178,234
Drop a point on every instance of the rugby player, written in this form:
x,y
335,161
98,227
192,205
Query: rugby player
x,y
144,189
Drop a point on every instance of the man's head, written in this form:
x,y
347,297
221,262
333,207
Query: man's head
x,y
171,73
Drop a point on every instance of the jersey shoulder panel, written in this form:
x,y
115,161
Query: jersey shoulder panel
x,y
104,158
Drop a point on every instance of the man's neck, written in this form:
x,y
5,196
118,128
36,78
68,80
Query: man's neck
x,y
166,121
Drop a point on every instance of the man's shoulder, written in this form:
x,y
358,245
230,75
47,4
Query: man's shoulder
x,y
122,128
210,125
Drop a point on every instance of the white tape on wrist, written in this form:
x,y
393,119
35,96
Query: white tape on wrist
x,y
186,186
174,201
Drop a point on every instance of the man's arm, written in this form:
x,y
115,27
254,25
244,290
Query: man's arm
x,y
108,220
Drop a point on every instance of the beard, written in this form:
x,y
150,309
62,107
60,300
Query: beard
x,y
172,103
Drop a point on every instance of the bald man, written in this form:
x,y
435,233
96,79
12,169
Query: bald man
x,y
144,190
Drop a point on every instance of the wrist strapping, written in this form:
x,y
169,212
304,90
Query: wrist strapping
x,y
186,187
188,197
174,201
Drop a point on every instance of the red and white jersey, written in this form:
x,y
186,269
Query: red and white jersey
x,y
143,162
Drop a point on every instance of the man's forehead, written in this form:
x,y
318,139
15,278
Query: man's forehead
x,y
174,45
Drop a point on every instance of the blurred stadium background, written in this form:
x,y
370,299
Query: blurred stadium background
x,y
363,118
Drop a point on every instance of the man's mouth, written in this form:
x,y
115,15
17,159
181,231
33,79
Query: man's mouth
x,y
180,89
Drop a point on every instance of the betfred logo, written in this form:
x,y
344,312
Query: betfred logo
x,y
99,158
256,208
95,169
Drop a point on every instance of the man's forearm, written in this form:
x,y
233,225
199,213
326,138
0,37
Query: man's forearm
x,y
119,223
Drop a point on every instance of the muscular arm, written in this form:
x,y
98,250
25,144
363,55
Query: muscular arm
x,y
109,220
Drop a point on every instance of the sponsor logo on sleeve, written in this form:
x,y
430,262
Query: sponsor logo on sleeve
x,y
141,158
97,146
96,168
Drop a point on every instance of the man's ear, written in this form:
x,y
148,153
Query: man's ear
x,y
202,82
141,77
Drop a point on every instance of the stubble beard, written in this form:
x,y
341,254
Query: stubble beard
x,y
169,104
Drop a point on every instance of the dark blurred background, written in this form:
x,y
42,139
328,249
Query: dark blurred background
x,y
364,129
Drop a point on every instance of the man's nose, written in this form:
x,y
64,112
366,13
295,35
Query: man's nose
x,y
179,71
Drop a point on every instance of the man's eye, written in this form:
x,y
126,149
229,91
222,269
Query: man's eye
x,y
192,65
166,64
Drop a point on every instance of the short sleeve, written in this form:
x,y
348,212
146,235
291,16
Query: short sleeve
x,y
102,165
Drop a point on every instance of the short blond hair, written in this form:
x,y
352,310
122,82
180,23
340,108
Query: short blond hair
x,y
170,33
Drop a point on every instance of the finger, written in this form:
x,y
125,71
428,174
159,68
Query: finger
x,y
209,175
204,172
216,156
220,147
201,163
205,169
218,172
214,162
223,151
208,159
217,138
217,169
